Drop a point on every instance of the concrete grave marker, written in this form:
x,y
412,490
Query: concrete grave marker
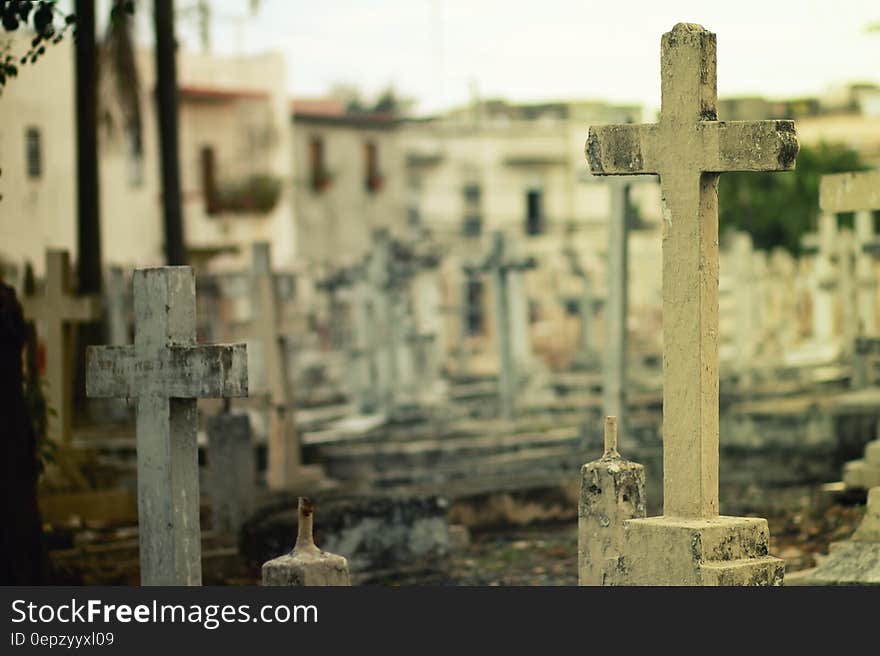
x,y
231,472
612,491
306,565
165,371
58,311
689,148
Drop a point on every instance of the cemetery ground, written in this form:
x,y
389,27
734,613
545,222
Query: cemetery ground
x,y
542,554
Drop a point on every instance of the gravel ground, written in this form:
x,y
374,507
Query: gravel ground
x,y
547,555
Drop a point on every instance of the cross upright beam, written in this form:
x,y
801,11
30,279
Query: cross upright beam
x,y
165,371
58,310
688,148
285,459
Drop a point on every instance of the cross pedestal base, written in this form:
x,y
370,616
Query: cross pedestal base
x,y
730,551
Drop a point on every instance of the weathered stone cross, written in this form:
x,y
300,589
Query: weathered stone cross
x,y
165,371
284,459
500,264
57,309
689,148
860,193
586,356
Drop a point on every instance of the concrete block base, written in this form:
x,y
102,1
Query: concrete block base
x,y
730,551
306,569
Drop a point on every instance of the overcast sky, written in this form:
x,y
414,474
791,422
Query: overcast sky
x,y
438,50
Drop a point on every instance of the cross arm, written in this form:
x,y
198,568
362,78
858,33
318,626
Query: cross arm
x,y
749,146
186,372
109,371
850,192
208,371
619,149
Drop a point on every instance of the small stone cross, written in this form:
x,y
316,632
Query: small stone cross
x,y
165,371
57,309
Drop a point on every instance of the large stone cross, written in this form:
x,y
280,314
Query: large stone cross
x,y
860,193
689,148
165,372
57,310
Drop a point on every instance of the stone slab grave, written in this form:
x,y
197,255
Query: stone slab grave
x,y
865,472
502,265
306,564
382,536
57,311
689,148
855,561
164,372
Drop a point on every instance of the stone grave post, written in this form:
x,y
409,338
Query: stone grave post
x,y
612,491
690,544
165,371
58,311
231,472
306,565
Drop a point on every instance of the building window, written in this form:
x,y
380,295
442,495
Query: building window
x,y
472,225
473,307
373,180
534,212
34,153
472,195
320,178
208,164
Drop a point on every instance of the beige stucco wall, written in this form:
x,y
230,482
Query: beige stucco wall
x,y
334,225
38,214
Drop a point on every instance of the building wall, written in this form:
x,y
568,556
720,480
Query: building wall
x,y
40,214
507,157
334,224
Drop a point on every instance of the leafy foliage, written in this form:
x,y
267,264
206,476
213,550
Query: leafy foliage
x,y
258,193
776,209
39,16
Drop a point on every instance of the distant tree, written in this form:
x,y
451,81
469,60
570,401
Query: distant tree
x,y
777,209
47,21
